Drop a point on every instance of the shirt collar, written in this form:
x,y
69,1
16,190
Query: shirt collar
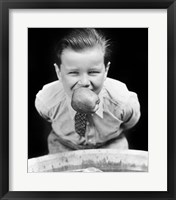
x,y
99,112
71,110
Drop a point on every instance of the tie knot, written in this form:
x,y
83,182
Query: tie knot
x,y
80,123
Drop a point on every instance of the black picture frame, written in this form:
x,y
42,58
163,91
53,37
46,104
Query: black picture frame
x,y
5,6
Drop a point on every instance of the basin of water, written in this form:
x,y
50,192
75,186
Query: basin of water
x,y
94,160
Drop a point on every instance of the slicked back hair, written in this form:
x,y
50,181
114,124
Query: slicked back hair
x,y
82,38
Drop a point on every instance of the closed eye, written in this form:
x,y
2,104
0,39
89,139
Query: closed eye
x,y
73,72
93,72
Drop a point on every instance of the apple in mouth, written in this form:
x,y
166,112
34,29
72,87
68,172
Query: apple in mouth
x,y
85,100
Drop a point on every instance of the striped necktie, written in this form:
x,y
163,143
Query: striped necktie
x,y
80,123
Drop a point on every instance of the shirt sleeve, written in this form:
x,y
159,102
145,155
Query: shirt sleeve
x,y
48,100
131,111
127,102
42,109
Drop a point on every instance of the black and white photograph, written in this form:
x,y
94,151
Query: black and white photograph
x,y
87,99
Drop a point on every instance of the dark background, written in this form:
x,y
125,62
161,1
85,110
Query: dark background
x,y
129,64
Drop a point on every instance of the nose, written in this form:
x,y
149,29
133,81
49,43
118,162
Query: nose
x,y
84,81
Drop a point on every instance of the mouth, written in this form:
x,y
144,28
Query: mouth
x,y
79,86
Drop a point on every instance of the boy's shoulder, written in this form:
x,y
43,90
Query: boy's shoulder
x,y
113,83
51,93
55,85
116,89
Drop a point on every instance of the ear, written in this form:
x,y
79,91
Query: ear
x,y
58,71
107,69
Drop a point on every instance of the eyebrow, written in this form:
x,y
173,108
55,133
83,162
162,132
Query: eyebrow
x,y
96,67
70,67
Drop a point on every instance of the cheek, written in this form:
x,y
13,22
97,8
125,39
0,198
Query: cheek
x,y
69,81
68,84
98,83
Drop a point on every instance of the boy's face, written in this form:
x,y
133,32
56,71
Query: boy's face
x,y
82,69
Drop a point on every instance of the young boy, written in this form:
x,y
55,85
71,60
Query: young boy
x,y
83,61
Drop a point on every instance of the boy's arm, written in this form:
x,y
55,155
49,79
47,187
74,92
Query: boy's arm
x,y
42,109
48,99
126,100
131,111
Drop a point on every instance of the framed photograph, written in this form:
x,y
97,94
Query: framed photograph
x,y
131,42
141,61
